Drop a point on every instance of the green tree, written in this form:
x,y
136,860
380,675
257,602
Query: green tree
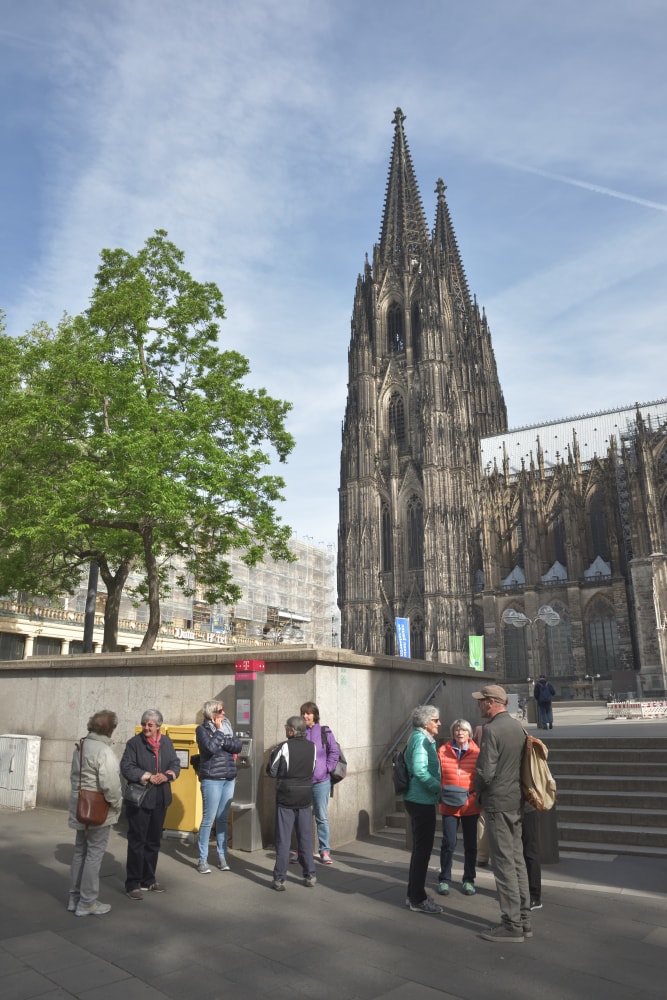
x,y
131,438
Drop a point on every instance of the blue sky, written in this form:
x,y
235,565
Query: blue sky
x,y
258,135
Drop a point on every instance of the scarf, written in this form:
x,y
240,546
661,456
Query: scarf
x,y
154,744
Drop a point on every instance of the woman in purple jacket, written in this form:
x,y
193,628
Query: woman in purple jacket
x,y
327,755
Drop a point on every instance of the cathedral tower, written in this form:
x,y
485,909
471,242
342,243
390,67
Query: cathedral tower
x,y
422,390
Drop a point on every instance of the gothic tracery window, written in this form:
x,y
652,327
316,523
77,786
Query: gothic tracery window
x,y
556,529
515,649
416,329
385,537
559,645
395,331
397,417
597,522
415,512
603,644
417,648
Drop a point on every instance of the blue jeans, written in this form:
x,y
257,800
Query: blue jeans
x,y
450,825
546,714
321,792
217,798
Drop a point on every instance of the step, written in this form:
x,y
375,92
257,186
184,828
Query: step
x,y
619,801
650,769
635,756
628,850
590,812
603,742
396,820
632,835
609,783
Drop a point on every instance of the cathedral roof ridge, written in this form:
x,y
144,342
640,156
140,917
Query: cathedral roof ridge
x,y
404,230
577,417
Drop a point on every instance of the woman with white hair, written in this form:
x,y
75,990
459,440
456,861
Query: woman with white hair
x,y
420,799
149,760
458,805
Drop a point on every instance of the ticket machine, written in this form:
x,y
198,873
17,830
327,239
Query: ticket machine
x,y
249,727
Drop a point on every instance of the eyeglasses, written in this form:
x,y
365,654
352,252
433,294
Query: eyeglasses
x,y
218,711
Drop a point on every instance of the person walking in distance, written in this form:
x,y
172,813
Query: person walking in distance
x,y
543,692
498,786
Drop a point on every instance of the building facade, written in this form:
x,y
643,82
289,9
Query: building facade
x,y
449,519
281,603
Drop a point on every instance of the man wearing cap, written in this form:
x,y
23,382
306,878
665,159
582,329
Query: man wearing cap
x,y
498,787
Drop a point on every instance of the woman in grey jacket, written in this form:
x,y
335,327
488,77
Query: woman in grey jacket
x,y
96,765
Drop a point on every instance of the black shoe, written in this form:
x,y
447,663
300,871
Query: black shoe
x,y
536,904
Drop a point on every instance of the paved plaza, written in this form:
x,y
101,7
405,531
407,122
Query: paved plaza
x,y
602,932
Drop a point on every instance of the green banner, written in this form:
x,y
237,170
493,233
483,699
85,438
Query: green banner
x,y
476,652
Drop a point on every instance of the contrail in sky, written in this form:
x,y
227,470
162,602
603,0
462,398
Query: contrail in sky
x,y
589,187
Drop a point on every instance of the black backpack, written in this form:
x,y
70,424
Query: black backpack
x,y
400,773
340,770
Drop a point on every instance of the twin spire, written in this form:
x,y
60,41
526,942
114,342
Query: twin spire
x,y
404,236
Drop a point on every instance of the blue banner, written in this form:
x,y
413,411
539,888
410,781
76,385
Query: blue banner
x,y
403,637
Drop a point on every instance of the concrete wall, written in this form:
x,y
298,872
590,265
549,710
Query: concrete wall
x,y
365,701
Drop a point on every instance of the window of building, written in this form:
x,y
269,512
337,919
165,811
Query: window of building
x,y
388,637
395,331
417,651
44,645
415,533
556,529
515,649
416,325
12,647
385,535
559,645
603,645
396,417
597,521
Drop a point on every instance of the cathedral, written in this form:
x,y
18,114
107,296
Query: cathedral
x,y
546,543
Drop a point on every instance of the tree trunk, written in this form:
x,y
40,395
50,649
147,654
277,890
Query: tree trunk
x,y
153,591
114,584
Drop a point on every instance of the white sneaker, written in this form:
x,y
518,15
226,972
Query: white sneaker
x,y
95,909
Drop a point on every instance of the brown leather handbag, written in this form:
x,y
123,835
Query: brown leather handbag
x,y
92,808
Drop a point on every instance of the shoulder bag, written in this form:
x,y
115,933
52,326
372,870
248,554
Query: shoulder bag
x,y
92,808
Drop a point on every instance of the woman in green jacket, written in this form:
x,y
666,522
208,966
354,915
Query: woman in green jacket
x,y
420,800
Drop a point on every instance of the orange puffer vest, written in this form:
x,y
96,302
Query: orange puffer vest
x,y
462,773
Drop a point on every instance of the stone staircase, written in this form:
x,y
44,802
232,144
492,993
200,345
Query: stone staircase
x,y
612,794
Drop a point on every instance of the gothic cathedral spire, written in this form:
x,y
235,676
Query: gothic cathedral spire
x,y
423,388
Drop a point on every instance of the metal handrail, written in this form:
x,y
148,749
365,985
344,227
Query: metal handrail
x,y
389,753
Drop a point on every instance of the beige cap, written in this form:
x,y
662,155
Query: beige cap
x,y
494,691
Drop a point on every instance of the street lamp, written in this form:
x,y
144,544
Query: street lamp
x,y
516,618
592,678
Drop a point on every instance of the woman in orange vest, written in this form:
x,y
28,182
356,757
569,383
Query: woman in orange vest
x,y
458,804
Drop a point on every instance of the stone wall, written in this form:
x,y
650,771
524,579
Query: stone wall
x,y
365,700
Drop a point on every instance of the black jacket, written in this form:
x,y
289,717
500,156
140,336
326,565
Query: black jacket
x,y
138,758
293,763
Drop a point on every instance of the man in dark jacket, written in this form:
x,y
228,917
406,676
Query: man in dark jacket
x,y
293,763
543,692
498,785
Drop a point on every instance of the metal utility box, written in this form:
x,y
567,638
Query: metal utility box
x,y
19,770
249,727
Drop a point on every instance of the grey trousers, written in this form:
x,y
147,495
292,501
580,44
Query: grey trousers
x,y
89,848
509,868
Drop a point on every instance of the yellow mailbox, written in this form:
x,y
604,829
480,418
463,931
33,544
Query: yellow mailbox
x,y
185,812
